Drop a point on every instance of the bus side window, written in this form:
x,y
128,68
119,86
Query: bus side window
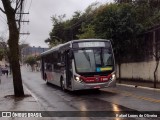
x,y
45,66
49,67
62,57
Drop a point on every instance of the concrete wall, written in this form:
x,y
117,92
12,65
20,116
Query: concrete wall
x,y
140,70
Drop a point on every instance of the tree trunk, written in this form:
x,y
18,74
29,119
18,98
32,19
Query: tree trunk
x,y
14,48
119,66
155,73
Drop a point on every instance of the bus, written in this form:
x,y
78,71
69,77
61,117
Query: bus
x,y
80,64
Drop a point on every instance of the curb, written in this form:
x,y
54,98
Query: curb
x,y
142,87
36,99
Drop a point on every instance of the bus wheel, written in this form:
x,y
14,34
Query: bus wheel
x,y
46,81
62,85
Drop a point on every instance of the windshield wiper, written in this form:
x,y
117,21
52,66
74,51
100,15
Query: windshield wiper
x,y
87,56
101,56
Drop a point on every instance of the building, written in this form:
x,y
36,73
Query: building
x,y
31,51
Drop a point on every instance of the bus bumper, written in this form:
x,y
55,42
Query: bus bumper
x,y
83,86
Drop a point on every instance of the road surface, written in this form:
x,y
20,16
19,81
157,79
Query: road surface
x,y
119,101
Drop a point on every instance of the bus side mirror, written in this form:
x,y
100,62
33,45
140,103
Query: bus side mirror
x,y
61,64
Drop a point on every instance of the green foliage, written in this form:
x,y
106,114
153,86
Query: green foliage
x,y
118,23
38,58
123,22
56,42
66,30
87,32
105,20
53,41
2,53
21,46
147,12
31,60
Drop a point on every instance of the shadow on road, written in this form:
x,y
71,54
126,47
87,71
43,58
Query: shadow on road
x,y
83,92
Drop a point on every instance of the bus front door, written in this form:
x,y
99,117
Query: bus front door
x,y
68,69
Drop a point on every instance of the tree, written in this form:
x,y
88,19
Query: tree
x,y
2,53
156,53
148,12
118,23
123,1
31,60
87,29
22,45
10,9
53,41
74,28
88,32
149,16
3,48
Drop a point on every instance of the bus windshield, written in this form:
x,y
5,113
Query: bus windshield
x,y
93,60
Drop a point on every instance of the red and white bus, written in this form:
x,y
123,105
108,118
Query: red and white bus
x,y
80,64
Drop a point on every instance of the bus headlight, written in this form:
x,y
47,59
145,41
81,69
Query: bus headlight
x,y
113,77
78,79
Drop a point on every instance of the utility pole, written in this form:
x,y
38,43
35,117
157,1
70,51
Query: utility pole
x,y
10,8
20,13
25,33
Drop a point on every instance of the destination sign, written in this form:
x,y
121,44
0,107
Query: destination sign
x,y
91,44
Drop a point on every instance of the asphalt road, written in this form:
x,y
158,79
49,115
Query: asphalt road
x,y
118,101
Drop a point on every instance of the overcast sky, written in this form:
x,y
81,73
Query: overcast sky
x,y
40,13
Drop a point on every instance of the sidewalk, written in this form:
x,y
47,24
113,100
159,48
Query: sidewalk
x,y
137,83
9,103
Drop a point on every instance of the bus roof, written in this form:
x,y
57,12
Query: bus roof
x,y
87,40
51,50
68,44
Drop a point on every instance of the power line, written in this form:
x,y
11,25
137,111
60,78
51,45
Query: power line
x,y
3,19
30,5
24,6
26,38
20,14
24,33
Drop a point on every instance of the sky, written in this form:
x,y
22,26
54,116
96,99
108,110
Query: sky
x,y
40,13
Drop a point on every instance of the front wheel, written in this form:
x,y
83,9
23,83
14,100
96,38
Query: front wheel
x,y
45,78
46,81
62,85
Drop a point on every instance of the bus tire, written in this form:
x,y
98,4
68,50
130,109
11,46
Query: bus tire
x,y
62,84
45,78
